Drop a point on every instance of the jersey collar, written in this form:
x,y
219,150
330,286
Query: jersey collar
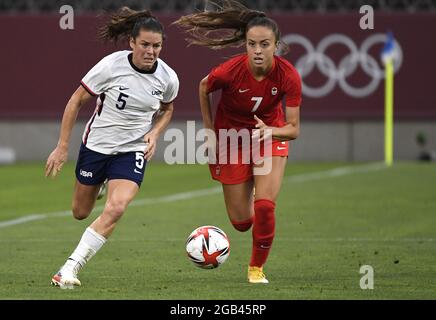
x,y
152,70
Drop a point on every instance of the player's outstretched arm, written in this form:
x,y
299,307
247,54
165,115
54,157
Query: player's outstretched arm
x,y
205,104
206,113
60,154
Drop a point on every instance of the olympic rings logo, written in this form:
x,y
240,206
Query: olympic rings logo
x,y
338,73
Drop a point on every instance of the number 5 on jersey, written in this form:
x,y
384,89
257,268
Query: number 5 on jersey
x,y
122,98
257,104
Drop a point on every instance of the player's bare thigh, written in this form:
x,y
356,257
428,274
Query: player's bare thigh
x,y
239,200
84,198
120,193
268,185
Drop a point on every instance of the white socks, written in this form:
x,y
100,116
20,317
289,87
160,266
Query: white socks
x,y
88,246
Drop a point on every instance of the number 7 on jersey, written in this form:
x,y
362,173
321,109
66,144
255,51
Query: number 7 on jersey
x,y
257,104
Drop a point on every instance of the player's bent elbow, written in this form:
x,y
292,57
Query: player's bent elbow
x,y
297,134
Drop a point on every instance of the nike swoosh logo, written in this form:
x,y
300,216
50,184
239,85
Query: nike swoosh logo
x,y
123,88
136,171
242,91
279,148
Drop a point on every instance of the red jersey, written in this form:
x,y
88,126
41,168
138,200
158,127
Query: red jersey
x,y
243,96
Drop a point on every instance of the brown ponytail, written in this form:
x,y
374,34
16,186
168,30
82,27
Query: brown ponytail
x,y
126,23
230,24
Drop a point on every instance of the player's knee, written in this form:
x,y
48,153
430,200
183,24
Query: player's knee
x,y
242,226
80,213
264,210
115,209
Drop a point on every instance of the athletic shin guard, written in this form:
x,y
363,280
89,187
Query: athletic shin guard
x,y
263,231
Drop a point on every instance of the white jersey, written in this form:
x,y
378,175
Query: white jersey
x,y
127,100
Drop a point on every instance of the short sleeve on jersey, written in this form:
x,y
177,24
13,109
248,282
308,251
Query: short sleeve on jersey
x,y
172,89
293,90
97,80
217,79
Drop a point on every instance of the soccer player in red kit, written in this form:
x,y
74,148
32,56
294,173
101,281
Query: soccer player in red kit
x,y
253,86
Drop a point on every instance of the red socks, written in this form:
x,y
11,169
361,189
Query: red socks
x,y
242,225
263,231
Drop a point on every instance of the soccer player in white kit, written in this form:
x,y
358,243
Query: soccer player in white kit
x,y
135,92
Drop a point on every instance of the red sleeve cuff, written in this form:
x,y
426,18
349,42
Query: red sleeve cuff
x,y
87,89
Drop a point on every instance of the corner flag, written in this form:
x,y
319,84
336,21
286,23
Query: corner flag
x,y
388,55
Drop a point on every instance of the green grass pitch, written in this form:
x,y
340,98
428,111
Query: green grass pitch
x,y
328,224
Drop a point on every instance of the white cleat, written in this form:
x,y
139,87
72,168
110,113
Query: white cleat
x,y
66,278
102,191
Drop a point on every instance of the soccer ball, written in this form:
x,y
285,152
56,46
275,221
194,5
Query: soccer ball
x,y
208,247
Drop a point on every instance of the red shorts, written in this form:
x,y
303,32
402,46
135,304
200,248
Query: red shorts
x,y
229,173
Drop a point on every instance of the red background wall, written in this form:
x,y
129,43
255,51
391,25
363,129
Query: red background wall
x,y
41,65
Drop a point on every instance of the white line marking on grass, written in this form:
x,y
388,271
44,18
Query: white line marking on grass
x,y
24,219
337,172
304,177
